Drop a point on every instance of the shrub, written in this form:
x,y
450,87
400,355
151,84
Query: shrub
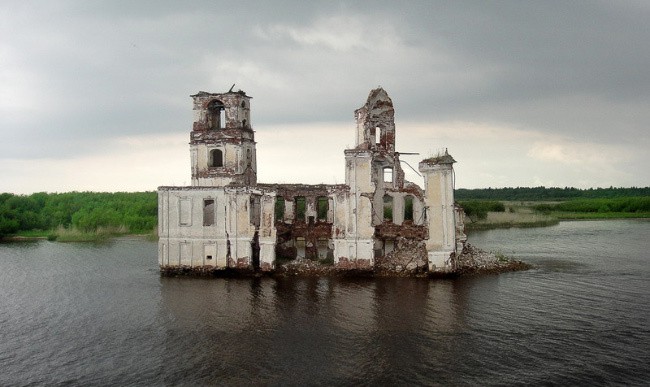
x,y
478,209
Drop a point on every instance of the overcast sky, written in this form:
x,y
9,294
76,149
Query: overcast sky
x,y
95,95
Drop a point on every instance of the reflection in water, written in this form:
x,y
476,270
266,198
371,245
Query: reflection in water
x,y
337,327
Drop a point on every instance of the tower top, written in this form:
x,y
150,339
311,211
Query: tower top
x,y
204,94
222,141
376,122
229,110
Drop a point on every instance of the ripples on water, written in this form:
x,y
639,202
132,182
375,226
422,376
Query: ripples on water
x,y
100,314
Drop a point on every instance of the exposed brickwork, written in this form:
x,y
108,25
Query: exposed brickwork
x,y
405,230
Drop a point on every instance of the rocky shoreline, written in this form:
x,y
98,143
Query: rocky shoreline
x,y
471,261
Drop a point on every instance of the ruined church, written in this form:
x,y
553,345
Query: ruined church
x,y
226,219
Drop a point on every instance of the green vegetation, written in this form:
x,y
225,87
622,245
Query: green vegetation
x,y
540,206
478,209
388,208
488,214
279,208
630,207
301,207
408,208
322,208
548,194
78,216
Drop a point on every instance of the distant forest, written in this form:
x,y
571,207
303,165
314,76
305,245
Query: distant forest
x,y
548,194
137,212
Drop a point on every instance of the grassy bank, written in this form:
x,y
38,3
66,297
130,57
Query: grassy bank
x,y
598,215
514,215
508,220
541,214
73,234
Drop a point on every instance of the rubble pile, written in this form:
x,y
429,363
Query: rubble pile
x,y
474,260
409,257
305,267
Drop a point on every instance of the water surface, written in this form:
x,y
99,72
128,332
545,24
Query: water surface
x,y
85,314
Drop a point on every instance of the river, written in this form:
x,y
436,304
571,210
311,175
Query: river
x,y
100,314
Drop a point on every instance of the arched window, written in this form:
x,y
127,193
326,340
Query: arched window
x,y
216,115
216,158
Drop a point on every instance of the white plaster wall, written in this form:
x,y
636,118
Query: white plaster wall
x,y
340,213
398,207
418,211
289,213
190,244
439,197
363,218
353,249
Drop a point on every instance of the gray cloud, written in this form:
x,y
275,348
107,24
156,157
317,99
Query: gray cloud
x,y
76,74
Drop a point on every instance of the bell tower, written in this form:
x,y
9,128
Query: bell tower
x,y
373,167
222,142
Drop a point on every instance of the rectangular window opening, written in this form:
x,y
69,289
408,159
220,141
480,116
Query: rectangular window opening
x,y
389,246
388,208
408,208
388,175
301,208
208,212
279,208
301,250
322,248
322,207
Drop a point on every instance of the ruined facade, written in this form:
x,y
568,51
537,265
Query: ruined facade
x,y
377,219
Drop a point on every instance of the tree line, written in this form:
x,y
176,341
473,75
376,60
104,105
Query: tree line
x,y
625,204
548,194
134,212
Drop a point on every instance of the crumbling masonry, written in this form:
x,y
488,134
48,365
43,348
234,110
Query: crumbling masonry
x,y
377,219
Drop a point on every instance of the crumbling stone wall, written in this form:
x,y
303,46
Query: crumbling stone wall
x,y
408,257
310,229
